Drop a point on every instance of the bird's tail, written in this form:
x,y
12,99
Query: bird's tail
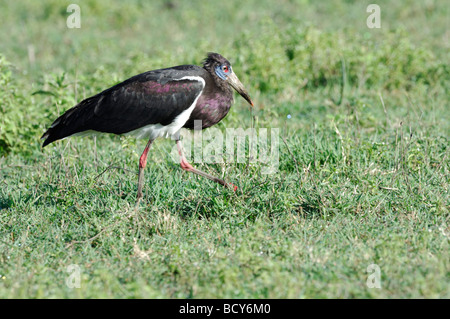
x,y
71,122
55,132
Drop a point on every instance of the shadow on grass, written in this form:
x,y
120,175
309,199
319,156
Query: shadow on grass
x,y
5,203
309,209
312,206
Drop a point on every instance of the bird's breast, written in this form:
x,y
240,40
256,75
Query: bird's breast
x,y
210,109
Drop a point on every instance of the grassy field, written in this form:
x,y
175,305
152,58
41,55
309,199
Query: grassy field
x,y
363,173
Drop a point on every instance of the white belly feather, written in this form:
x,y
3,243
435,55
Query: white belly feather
x,y
153,131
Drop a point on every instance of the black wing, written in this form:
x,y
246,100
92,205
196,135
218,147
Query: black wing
x,y
149,98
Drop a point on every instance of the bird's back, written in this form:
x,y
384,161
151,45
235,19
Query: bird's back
x,y
150,98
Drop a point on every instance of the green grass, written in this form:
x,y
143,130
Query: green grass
x,y
363,172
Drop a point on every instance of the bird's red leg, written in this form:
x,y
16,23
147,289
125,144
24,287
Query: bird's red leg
x,y
142,164
188,167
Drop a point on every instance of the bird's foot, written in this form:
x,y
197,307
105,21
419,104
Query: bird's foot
x,y
188,167
185,164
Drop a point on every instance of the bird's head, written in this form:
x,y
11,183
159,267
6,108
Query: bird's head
x,y
221,68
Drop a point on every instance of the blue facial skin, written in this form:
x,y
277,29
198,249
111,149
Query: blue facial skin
x,y
221,73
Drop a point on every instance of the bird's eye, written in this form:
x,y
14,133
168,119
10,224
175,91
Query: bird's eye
x,y
225,68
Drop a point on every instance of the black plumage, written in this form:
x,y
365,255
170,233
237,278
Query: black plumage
x,y
130,105
156,103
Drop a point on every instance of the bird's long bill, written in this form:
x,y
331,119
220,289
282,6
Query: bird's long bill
x,y
233,80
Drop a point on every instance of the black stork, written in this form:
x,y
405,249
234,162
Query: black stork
x,y
156,104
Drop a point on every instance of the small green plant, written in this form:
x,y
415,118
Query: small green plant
x,y
15,130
